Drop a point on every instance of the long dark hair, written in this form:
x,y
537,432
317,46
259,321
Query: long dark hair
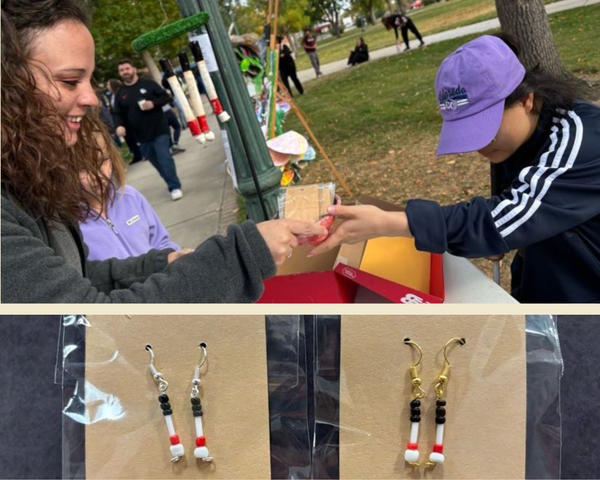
x,y
38,168
552,91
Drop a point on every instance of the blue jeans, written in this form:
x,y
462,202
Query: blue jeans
x,y
157,151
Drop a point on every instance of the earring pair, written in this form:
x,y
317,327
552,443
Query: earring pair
x,y
411,455
177,450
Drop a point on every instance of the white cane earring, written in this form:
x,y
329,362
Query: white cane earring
x,y
437,455
176,448
411,455
201,451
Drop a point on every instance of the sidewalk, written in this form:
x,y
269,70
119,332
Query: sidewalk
x,y
209,202
309,74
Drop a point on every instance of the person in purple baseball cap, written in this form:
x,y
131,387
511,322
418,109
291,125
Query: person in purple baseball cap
x,y
543,143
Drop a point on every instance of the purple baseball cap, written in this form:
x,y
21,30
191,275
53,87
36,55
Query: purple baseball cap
x,y
471,86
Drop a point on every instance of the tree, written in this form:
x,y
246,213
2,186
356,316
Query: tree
x,y
115,23
527,21
328,9
367,8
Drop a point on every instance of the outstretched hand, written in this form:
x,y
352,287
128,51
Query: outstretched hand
x,y
281,236
361,222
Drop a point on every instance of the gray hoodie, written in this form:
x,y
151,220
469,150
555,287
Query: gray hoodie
x,y
45,262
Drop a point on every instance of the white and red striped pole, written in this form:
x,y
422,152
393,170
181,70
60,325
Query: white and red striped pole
x,y
201,451
221,114
176,448
190,118
194,94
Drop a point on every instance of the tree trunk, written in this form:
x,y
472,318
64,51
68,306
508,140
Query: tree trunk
x,y
527,21
390,6
373,16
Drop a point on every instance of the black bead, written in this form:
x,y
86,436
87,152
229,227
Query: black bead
x,y
440,403
167,412
163,398
195,401
440,420
165,406
415,403
196,407
440,412
197,413
415,411
415,418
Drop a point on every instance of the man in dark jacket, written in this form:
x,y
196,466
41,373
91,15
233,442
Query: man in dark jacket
x,y
138,107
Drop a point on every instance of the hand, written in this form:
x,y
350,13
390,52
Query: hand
x,y
171,257
120,131
281,236
148,105
361,222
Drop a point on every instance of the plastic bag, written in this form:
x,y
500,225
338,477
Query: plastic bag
x,y
309,203
303,369
544,370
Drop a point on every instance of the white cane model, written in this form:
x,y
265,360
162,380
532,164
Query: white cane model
x,y
211,93
176,448
437,455
194,94
411,455
201,451
190,119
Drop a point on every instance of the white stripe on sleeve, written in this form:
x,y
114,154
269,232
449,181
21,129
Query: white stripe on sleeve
x,y
558,171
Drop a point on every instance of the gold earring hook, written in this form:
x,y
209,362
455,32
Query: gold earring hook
x,y
444,375
416,381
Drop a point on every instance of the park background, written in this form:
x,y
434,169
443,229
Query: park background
x,y
378,121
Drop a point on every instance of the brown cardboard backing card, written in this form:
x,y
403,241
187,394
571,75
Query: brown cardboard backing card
x,y
486,396
307,202
135,443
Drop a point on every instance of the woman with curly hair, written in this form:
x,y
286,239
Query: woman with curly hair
x,y
49,129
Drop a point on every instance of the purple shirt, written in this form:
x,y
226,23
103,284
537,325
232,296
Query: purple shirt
x,y
131,228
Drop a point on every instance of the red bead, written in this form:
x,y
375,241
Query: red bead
x,y
412,446
174,439
438,448
200,441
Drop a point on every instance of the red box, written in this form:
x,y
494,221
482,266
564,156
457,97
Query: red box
x,y
329,279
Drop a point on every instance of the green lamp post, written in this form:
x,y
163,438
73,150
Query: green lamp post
x,y
258,179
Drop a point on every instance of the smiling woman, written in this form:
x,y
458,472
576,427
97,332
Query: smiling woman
x,y
51,138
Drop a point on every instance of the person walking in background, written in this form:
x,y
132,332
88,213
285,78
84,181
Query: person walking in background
x,y
309,43
138,107
112,85
175,126
287,67
360,53
404,23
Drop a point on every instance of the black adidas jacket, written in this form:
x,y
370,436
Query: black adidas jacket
x,y
550,211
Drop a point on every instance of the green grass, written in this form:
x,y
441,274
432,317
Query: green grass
x,y
429,20
381,102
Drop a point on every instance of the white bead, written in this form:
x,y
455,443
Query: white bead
x,y
177,450
201,452
436,457
411,456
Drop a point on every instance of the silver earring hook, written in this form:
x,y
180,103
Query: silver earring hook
x,y
196,379
158,377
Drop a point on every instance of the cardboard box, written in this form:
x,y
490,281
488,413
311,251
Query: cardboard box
x,y
389,267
